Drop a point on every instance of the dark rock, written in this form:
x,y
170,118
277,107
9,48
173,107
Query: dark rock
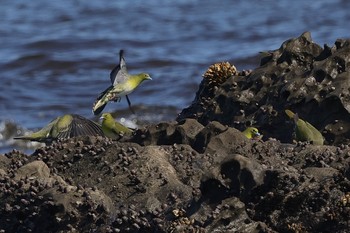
x,y
200,174
300,76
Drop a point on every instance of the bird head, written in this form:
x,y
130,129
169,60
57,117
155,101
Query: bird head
x,y
144,76
255,132
251,133
106,116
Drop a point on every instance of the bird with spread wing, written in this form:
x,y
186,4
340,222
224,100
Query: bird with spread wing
x,y
66,126
122,84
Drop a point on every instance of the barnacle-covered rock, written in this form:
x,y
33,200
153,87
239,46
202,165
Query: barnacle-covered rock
x,y
218,73
299,75
200,174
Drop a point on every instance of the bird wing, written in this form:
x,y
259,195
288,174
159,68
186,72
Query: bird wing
x,y
307,132
62,128
316,134
115,130
303,133
82,126
64,133
119,73
78,126
121,129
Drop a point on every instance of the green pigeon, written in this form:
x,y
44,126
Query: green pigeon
x,y
66,126
111,128
252,133
304,131
122,84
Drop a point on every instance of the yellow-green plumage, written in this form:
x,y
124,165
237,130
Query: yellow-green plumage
x,y
122,84
252,133
304,131
62,125
113,129
66,126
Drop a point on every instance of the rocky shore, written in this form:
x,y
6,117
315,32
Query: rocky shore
x,y
200,173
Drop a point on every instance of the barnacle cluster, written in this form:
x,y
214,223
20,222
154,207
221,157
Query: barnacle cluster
x,y
345,200
296,227
218,73
182,223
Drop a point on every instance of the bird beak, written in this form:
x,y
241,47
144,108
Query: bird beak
x,y
257,136
149,78
101,118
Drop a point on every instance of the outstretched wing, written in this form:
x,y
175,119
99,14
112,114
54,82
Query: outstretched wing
x,y
119,72
83,126
80,126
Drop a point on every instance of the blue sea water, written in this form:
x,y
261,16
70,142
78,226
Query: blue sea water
x,y
55,56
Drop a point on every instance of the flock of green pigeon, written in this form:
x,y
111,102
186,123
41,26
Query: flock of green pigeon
x,y
73,125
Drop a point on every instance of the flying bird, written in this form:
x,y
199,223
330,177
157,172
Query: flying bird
x,y
66,126
122,84
113,129
304,131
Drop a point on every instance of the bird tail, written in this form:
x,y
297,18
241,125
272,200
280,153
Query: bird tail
x,y
101,101
102,94
289,113
23,138
31,138
98,107
292,115
47,140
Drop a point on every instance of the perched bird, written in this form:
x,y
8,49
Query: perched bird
x,y
122,84
252,133
111,128
66,126
304,131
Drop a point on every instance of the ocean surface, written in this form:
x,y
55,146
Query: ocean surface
x,y
56,56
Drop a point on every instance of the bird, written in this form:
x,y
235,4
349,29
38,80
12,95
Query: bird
x,y
252,133
304,131
122,84
66,126
111,128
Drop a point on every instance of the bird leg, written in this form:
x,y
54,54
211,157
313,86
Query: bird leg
x,y
117,99
129,103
